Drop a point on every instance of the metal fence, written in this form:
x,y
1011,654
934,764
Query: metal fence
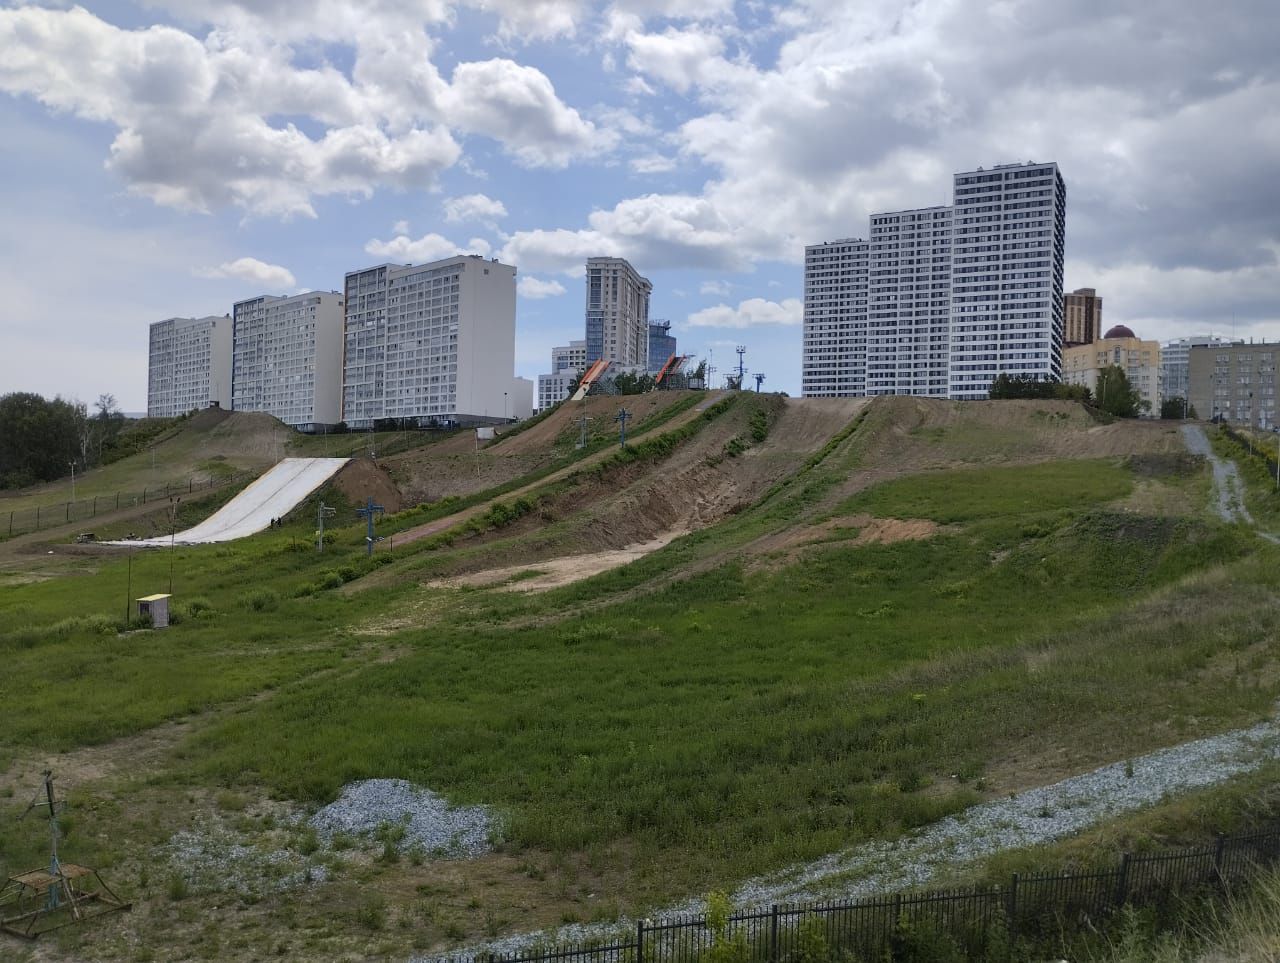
x,y
973,920
85,509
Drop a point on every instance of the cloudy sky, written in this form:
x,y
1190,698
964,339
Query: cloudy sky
x,y
168,157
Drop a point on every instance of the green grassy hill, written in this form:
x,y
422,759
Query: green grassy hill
x,y
856,618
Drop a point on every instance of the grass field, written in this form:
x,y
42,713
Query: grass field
x,y
725,706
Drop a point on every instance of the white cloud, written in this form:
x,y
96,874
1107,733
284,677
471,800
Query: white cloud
x,y
517,106
719,288
750,313
534,19
403,249
265,275
473,207
652,164
677,58
533,288
478,245
400,227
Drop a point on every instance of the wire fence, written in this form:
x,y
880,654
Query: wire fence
x,y
23,521
974,921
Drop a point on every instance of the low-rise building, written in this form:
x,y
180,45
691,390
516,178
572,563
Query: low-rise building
x,y
1175,357
567,364
1235,382
1140,361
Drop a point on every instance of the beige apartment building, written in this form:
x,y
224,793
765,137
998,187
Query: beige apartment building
x,y
1140,361
1236,382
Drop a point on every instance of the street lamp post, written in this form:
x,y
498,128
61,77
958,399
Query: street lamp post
x,y
173,529
73,480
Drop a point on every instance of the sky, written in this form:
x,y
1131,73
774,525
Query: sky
x,y
167,158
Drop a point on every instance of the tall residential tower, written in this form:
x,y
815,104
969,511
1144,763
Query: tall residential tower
x,y
617,312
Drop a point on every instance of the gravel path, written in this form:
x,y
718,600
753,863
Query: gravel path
x,y
1032,818
429,821
1228,489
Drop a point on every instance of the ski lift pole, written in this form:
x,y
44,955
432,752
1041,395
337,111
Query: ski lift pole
x,y
621,418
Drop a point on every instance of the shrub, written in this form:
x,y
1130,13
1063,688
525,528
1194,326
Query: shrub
x,y
263,600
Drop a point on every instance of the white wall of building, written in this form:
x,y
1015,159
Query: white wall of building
x,y
189,365
617,312
430,342
287,357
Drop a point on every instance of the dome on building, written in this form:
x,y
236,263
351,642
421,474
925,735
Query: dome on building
x,y
1119,331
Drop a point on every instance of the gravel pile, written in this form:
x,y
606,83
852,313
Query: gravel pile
x,y
429,821
1037,816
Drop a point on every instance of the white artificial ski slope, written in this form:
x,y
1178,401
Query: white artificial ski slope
x,y
271,496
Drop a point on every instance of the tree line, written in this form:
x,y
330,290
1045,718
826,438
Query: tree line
x,y
1113,394
41,438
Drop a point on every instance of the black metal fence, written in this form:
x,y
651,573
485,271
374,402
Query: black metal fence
x,y
972,921
85,509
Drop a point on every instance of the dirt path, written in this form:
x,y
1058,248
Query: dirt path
x,y
1228,487
555,572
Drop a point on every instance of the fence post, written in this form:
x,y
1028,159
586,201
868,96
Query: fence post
x,y
117,501
11,524
1122,884
37,518
1011,905
773,934
190,482
640,941
1219,849
68,511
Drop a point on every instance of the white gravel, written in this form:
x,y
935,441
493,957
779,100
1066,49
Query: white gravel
x,y
429,821
1037,816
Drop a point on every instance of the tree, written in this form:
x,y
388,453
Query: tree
x,y
1024,386
38,439
1115,395
1177,407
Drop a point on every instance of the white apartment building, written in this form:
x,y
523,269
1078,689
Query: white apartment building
x,y
189,365
908,303
941,300
434,343
286,358
567,364
1007,250
617,312
1175,358
835,319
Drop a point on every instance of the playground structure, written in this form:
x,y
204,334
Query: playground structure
x,y
42,900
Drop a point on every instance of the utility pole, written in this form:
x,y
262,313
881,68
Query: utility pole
x,y
759,376
621,418
369,511
742,371
73,480
173,528
323,511
582,438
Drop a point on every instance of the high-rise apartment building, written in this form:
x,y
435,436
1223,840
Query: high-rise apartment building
x,y
1081,317
433,343
909,303
662,345
941,300
617,312
286,358
1235,382
835,319
1006,276
189,365
1175,357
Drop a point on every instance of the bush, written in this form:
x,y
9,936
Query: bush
x,y
263,600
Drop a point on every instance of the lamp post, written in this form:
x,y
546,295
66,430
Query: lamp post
x,y
505,408
173,529
73,480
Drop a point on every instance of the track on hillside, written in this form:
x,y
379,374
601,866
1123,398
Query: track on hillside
x,y
272,496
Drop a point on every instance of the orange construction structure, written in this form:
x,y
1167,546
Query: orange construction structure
x,y
592,375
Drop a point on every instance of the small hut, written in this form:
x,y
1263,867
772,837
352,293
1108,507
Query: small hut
x,y
156,607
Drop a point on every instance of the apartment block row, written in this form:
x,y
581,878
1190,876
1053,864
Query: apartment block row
x,y
430,344
938,301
